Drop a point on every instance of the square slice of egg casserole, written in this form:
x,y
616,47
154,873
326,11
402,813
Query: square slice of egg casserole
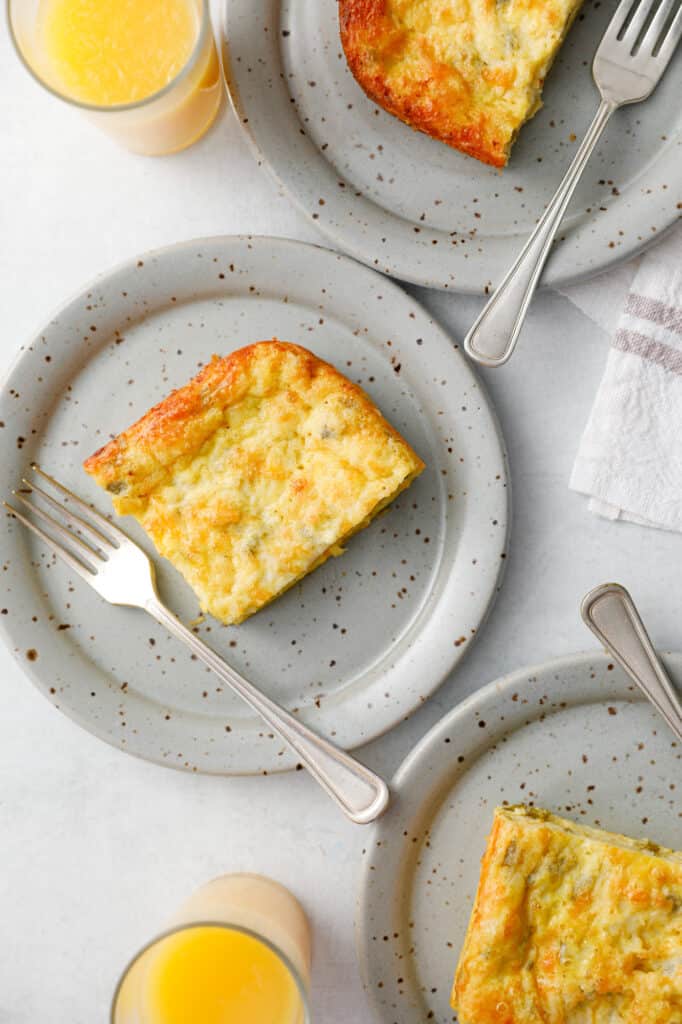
x,y
571,925
467,72
255,472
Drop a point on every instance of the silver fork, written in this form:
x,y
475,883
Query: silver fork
x,y
632,56
122,574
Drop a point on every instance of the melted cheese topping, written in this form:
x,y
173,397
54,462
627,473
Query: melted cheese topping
x,y
469,72
255,473
571,925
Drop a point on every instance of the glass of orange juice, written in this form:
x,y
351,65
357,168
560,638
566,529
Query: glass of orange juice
x,y
146,71
237,951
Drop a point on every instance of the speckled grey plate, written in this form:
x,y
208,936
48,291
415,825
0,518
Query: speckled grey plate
x,y
572,735
358,644
413,207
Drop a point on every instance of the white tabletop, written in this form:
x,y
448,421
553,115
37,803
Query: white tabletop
x,y
96,848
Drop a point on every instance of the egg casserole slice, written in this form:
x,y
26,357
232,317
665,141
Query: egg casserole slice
x,y
571,925
467,72
255,472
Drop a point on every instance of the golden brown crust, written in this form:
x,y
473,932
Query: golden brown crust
x,y
178,421
254,472
187,416
571,924
467,72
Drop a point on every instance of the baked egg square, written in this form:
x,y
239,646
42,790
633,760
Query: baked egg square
x,y
571,925
467,72
255,473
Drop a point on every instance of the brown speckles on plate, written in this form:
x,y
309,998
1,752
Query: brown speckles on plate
x,y
339,647
550,740
415,208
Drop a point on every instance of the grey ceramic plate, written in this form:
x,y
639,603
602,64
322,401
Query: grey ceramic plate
x,y
413,207
574,736
358,644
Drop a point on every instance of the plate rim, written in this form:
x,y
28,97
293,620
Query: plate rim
x,y
493,583
479,699
609,259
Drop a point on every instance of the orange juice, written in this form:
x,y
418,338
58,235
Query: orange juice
x,y
213,975
146,71
238,952
107,52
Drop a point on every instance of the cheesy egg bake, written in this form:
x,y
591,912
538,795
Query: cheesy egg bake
x,y
255,472
467,72
571,925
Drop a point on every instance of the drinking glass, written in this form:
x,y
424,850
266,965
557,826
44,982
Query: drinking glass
x,y
251,908
167,120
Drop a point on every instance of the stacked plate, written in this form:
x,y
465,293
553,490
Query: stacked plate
x,y
356,646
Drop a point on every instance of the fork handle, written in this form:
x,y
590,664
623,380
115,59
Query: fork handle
x,y
492,339
361,794
611,614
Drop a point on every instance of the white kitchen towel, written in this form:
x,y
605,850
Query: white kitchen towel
x,y
630,457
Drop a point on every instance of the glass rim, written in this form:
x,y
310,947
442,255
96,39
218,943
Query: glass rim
x,y
204,30
176,929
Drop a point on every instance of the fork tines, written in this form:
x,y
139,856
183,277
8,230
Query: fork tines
x,y
81,554
648,27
